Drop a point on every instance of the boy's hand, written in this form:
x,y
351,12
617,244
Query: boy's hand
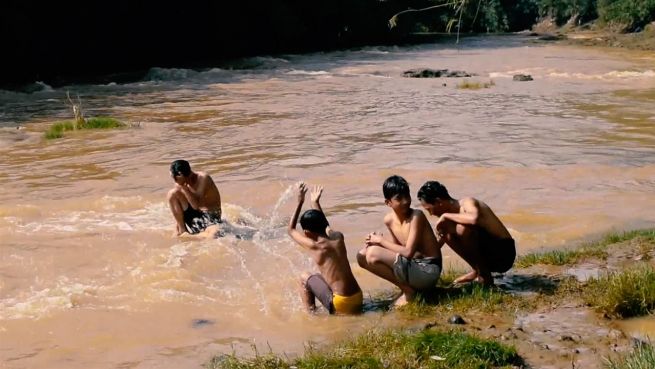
x,y
440,226
316,193
373,239
302,190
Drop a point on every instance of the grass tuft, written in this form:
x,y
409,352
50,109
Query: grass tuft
x,y
390,349
624,294
57,129
596,249
468,85
643,357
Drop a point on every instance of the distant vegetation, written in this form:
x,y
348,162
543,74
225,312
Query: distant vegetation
x,y
515,15
57,129
251,27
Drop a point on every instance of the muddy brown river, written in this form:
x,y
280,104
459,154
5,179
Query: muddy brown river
x,y
90,276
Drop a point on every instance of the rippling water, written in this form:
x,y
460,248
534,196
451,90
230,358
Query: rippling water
x,y
90,276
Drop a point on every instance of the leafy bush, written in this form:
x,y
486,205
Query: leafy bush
x,y
626,14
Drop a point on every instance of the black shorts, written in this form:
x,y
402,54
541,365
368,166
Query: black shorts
x,y
319,287
197,221
499,253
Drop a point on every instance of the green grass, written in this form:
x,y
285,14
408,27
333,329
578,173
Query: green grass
x,y
444,302
57,129
390,349
643,357
596,249
468,85
623,294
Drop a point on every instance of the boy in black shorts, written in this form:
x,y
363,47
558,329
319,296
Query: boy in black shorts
x,y
472,230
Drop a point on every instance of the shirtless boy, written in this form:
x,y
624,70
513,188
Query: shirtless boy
x,y
410,257
194,200
335,286
472,230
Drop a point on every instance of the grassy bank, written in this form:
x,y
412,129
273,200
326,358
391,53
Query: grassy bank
x,y
57,129
621,294
596,249
390,349
643,357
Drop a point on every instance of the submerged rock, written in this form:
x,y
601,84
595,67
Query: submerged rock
x,y
435,73
456,319
198,323
522,77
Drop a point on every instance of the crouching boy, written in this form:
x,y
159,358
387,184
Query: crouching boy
x,y
335,286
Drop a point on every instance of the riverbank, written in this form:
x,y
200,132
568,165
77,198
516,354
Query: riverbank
x,y
560,308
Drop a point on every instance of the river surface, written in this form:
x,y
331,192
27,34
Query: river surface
x,y
90,276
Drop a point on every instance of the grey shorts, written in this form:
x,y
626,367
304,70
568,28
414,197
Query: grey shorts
x,y
317,285
420,274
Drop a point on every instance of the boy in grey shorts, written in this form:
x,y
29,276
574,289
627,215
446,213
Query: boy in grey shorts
x,y
410,256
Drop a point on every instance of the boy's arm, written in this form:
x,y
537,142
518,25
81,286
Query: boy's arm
x,y
407,250
194,196
315,195
295,234
470,214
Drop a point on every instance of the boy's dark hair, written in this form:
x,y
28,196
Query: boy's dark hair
x,y
431,191
314,221
395,185
180,168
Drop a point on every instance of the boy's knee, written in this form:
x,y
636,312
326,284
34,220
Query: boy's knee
x,y
361,257
172,194
373,254
303,279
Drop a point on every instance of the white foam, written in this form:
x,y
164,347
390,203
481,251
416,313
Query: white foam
x,y
301,72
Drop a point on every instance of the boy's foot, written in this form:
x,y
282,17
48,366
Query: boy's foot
x,y
468,277
403,299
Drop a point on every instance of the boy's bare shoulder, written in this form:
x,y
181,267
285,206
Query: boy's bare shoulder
x,y
470,201
388,218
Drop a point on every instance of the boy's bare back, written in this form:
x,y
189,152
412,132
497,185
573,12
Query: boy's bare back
x,y
331,258
487,219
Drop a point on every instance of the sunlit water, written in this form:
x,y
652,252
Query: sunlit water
x,y
91,277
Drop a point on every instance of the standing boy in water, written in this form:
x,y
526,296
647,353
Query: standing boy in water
x,y
194,200
411,257
335,286
472,230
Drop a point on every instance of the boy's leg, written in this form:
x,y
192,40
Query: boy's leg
x,y
176,204
308,298
379,261
317,288
465,242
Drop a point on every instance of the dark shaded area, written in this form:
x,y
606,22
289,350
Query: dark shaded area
x,y
94,41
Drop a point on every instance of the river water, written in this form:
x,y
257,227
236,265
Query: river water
x,y
91,277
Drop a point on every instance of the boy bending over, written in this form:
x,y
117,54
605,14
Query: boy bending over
x,y
472,230
335,286
411,257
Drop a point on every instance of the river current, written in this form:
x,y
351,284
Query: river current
x,y
90,275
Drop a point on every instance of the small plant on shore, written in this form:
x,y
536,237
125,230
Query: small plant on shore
x,y
623,294
466,84
390,349
642,357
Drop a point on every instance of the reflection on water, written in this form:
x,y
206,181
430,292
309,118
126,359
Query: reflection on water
x,y
91,277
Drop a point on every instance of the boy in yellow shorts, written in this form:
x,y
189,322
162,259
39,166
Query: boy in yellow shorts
x,y
335,286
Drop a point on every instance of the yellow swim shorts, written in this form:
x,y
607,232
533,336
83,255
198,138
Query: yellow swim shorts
x,y
348,304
